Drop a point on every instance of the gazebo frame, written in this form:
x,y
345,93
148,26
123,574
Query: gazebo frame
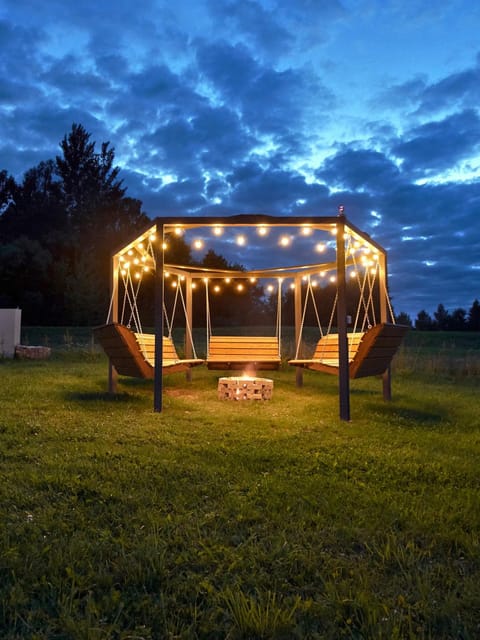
x,y
339,225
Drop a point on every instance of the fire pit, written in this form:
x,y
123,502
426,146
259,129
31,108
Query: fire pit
x,y
245,388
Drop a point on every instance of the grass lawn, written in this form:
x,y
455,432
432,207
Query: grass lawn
x,y
217,519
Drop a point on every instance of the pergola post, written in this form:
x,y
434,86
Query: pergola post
x,y
158,315
383,293
188,324
343,364
298,327
112,372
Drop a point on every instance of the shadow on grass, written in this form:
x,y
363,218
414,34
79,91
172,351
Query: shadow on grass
x,y
410,417
102,396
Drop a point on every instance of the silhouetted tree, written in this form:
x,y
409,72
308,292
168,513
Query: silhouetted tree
x,y
473,323
424,321
442,318
404,318
458,320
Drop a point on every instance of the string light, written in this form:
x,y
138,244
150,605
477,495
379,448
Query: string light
x,y
262,230
240,287
320,247
284,241
216,288
217,230
307,230
178,231
241,240
198,244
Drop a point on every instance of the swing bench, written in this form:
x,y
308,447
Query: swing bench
x,y
370,352
133,354
244,353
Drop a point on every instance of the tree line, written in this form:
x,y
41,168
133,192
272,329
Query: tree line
x,y
60,225
442,320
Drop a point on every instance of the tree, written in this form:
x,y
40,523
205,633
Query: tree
x,y
458,320
89,181
473,322
424,321
404,318
442,318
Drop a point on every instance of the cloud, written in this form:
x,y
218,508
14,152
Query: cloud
x,y
436,146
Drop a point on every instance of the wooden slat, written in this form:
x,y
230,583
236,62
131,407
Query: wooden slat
x,y
239,352
370,355
130,358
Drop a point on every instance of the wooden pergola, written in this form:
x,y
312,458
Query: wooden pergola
x,y
338,226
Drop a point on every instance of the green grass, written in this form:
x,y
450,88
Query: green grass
x,y
217,519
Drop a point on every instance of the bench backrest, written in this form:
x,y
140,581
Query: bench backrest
x,y
243,352
146,342
327,347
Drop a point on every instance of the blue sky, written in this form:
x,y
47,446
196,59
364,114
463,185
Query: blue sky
x,y
284,107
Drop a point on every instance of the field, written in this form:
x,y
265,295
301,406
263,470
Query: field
x,y
217,519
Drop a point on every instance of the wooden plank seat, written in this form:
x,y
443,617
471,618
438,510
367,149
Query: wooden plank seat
x,y
370,353
133,354
243,353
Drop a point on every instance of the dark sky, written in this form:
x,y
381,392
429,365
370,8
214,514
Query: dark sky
x,y
287,107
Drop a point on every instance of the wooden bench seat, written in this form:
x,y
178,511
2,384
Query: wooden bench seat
x,y
243,352
370,353
133,354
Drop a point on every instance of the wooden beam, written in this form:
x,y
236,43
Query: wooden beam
x,y
159,291
343,364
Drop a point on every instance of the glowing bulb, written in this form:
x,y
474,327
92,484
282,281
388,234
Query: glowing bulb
x,y
140,245
228,280
216,288
198,244
270,288
167,274
164,246
262,230
314,283
123,272
174,284
333,231
320,247
253,280
194,285
241,240
292,286
284,241
322,274
127,265
178,231
333,279
130,252
146,269
136,261
144,258
138,276
307,230
240,287
217,230
152,237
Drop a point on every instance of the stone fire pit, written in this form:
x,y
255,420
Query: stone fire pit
x,y
245,388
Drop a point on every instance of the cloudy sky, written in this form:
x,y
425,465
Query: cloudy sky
x,y
284,107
